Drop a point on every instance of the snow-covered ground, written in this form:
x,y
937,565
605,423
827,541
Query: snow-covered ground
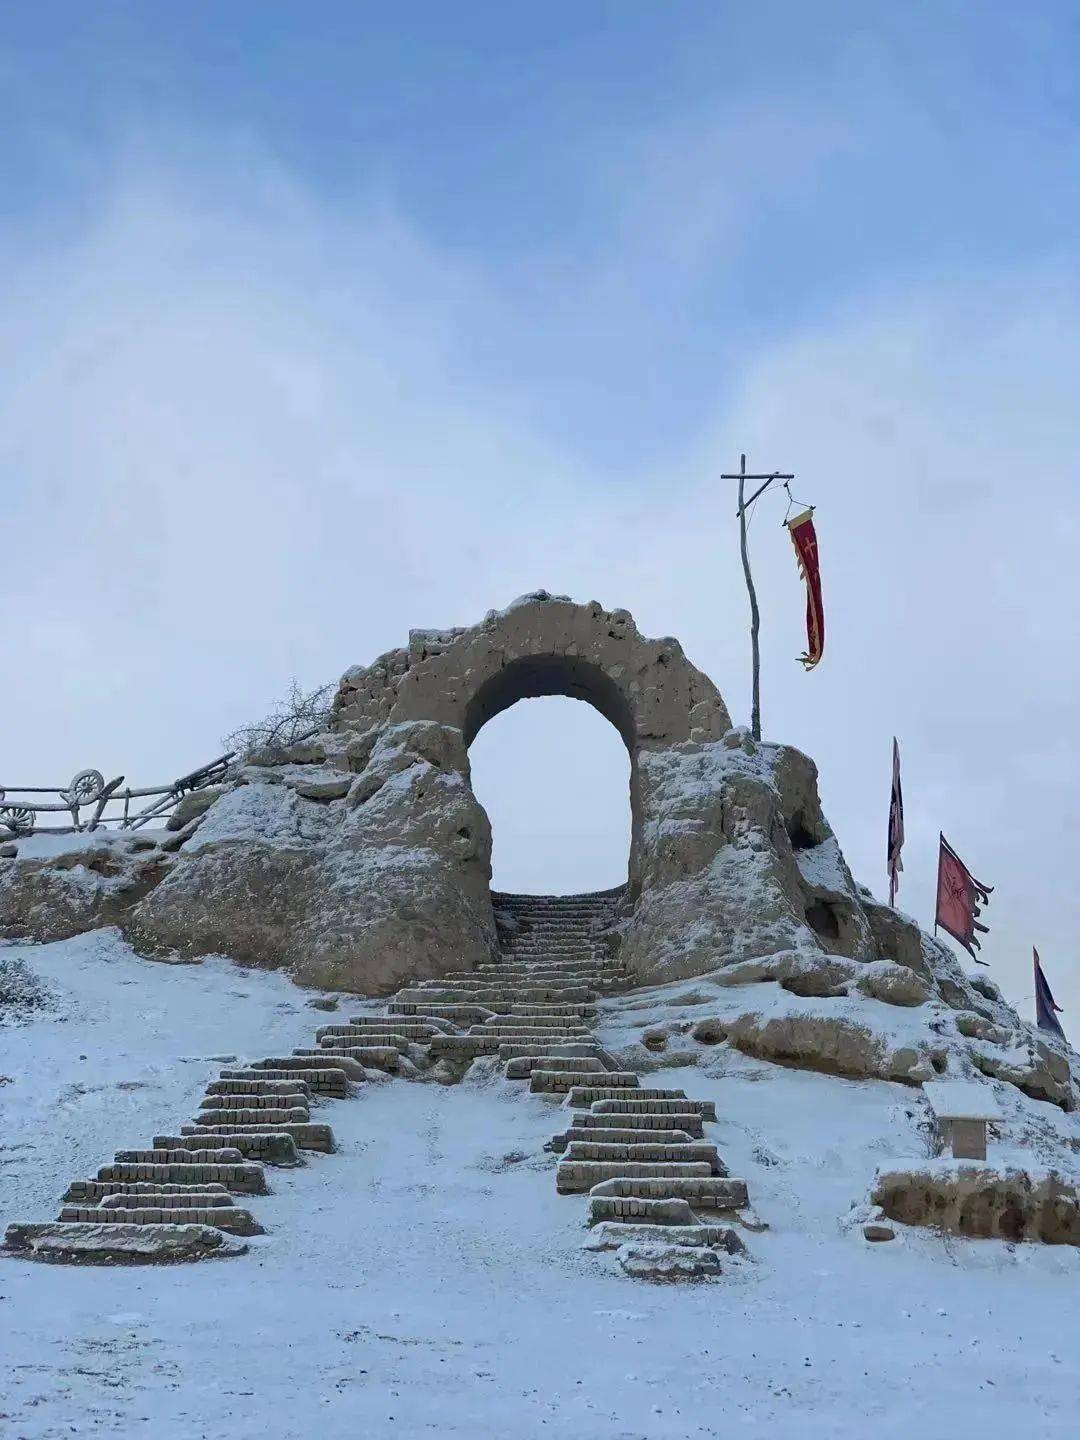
x,y
427,1280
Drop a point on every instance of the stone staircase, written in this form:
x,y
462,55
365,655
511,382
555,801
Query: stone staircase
x,y
639,1153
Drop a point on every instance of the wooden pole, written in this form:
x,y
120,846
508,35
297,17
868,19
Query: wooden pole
x,y
755,614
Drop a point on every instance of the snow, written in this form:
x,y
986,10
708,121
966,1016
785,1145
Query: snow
x,y
428,1281
961,1100
44,846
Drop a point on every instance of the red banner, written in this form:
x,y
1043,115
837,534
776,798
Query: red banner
x,y
959,900
804,538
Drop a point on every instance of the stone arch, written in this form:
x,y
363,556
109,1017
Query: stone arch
x,y
543,645
571,677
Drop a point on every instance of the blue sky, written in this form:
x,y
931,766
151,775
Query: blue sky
x,y
326,321
750,167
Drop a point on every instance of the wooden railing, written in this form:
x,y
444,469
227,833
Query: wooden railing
x,y
103,803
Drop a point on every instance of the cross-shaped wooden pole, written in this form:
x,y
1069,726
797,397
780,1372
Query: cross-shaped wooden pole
x,y
755,617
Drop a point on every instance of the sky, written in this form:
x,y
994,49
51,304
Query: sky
x,y
324,323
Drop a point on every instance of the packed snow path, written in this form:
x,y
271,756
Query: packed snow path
x,y
639,1153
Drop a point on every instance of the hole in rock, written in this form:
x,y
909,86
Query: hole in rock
x,y
554,777
823,920
799,833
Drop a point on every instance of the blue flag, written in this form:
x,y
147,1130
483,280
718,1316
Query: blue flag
x,y
1045,1004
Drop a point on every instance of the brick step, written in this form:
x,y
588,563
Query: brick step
x,y
418,1030
465,1047
632,1208
266,1088
530,1025
234,1221
708,1193
177,1154
90,1192
579,1176
705,1108
542,970
306,1136
558,1143
282,1064
138,1198
118,1244
557,1081
379,1057
241,1177
609,1235
332,1082
260,1104
274,1146
526,1009
460,1014
571,1049
388,1037
524,1065
586,1120
264,1119
590,1094
488,996
647,1152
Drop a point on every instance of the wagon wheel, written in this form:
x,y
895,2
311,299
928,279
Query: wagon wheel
x,y
18,819
85,788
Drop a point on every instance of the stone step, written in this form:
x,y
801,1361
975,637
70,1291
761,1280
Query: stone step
x,y
317,1060
91,1192
705,1108
460,1014
704,1193
631,1208
388,1037
234,1221
586,1120
557,1081
261,1105
504,975
599,1136
379,1057
264,1119
178,1154
418,1030
562,1049
527,1025
274,1147
610,1235
330,1081
526,1009
306,1135
266,1088
647,1152
524,1065
578,1176
463,1047
118,1244
592,1094
241,1177
488,996
139,1199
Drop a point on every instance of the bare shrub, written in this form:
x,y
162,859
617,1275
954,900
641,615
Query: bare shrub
x,y
300,714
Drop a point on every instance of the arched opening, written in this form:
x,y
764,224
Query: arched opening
x,y
554,778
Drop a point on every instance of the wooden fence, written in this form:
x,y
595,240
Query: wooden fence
x,y
91,803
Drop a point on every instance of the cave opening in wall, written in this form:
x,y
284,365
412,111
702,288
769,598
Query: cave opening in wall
x,y
553,775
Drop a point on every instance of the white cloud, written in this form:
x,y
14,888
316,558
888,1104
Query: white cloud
x,y
237,444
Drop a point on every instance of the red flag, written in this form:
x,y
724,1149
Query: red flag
x,y
896,824
804,538
959,900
